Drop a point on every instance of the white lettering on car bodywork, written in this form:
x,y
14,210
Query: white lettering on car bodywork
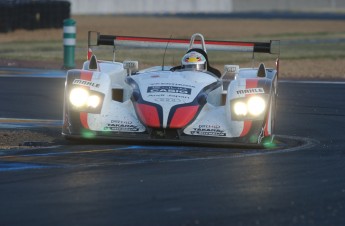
x,y
85,83
250,91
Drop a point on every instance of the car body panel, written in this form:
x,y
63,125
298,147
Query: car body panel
x,y
162,104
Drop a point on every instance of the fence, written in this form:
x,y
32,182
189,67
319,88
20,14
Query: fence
x,y
26,14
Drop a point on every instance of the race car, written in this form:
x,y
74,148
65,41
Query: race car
x,y
191,102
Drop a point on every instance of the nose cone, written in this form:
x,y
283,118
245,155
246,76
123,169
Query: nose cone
x,y
167,99
179,116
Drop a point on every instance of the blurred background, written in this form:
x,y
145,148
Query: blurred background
x,y
312,32
202,6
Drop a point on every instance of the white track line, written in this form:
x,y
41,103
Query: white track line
x,y
307,143
10,123
313,82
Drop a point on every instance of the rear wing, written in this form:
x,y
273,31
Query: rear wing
x,y
170,43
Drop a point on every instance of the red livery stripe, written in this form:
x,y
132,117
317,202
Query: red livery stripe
x,y
251,83
143,39
246,127
225,43
83,120
89,53
182,41
268,122
266,132
183,116
150,42
148,115
86,75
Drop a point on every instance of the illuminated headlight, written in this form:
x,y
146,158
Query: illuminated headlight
x,y
248,108
84,99
240,108
256,105
78,97
93,101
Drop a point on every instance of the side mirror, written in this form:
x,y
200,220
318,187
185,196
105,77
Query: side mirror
x,y
230,71
131,66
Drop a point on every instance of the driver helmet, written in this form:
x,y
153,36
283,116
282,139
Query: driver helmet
x,y
194,61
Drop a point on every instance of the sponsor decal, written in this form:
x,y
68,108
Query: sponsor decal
x,y
208,132
171,84
163,95
85,83
122,122
121,126
250,91
168,100
156,95
209,126
169,89
178,96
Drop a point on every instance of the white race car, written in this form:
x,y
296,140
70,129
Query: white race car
x,y
191,102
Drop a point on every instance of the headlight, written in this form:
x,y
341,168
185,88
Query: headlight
x,y
84,99
78,97
256,105
248,108
93,101
240,108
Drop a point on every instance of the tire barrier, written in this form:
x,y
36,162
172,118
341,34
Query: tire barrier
x,y
32,14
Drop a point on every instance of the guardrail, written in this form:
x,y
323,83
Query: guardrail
x,y
30,15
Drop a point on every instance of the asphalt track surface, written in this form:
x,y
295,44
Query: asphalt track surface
x,y
130,184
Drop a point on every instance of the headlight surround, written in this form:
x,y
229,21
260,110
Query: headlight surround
x,y
248,108
86,100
